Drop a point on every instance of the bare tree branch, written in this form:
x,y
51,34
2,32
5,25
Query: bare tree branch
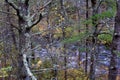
x,y
46,4
11,3
15,26
36,22
8,23
8,12
40,15
53,27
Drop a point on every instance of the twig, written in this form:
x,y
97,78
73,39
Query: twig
x,y
8,13
46,4
12,4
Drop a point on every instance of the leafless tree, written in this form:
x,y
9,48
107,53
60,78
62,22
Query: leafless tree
x,y
25,23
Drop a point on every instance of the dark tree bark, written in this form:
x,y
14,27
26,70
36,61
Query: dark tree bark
x,y
63,36
87,16
115,45
94,37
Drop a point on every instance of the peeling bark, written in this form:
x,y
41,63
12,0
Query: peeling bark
x,y
30,75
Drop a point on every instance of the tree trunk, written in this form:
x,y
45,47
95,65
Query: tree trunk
x,y
24,49
86,56
115,45
64,14
94,37
25,25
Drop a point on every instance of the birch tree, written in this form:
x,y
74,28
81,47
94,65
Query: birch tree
x,y
26,21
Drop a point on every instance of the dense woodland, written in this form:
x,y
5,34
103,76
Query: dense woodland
x,y
59,39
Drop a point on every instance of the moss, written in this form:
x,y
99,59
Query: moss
x,y
105,39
